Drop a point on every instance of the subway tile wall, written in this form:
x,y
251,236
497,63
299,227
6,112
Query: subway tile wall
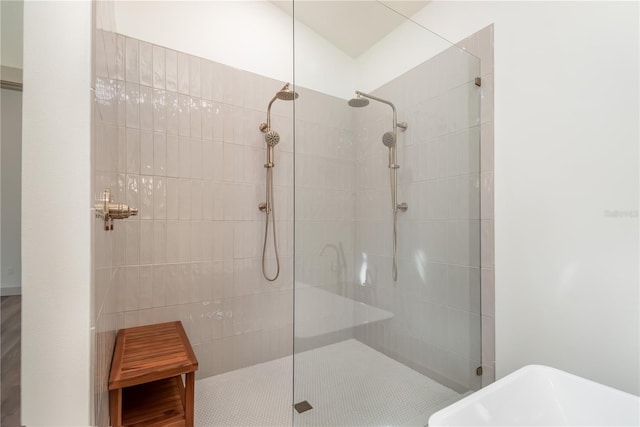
x,y
194,166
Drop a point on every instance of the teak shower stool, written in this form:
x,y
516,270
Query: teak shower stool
x,y
145,384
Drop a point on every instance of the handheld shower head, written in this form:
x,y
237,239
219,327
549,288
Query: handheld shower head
x,y
272,138
358,101
389,139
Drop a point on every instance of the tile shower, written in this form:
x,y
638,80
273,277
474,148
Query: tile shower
x,y
177,136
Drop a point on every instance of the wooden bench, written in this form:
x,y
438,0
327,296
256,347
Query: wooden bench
x,y
145,384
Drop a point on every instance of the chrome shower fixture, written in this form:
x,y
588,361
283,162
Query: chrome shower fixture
x,y
286,93
272,138
358,101
389,139
361,101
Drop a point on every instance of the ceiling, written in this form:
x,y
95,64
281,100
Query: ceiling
x,y
352,26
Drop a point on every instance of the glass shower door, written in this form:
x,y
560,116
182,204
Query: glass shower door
x,y
387,220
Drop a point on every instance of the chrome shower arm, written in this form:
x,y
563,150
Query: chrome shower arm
x,y
285,94
384,101
392,150
269,113
396,125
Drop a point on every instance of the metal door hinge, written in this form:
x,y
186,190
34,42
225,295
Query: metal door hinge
x,y
478,81
479,371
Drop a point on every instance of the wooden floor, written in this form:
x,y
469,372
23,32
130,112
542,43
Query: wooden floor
x,y
10,361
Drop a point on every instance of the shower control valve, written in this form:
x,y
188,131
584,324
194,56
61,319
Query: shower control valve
x,y
108,210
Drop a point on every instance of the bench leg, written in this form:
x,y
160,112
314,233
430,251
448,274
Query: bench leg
x,y
189,396
115,407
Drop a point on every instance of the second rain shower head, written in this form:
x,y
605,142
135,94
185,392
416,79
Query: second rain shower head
x,y
358,101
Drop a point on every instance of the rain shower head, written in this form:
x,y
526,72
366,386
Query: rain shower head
x,y
358,101
389,139
286,94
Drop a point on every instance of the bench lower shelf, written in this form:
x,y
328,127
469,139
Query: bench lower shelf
x,y
158,403
145,382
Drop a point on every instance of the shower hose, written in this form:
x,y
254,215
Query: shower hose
x,y
270,218
393,178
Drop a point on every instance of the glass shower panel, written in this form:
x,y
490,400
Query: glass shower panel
x,y
201,141
387,218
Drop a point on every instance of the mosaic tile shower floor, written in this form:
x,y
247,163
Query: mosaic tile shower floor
x,y
347,384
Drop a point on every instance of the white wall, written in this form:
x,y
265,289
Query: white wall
x,y
56,247
11,138
566,156
406,47
251,35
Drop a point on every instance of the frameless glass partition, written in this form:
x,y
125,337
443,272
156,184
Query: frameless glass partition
x,y
387,208
195,129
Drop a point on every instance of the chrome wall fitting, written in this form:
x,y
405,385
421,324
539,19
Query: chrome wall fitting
x,y
402,207
108,210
